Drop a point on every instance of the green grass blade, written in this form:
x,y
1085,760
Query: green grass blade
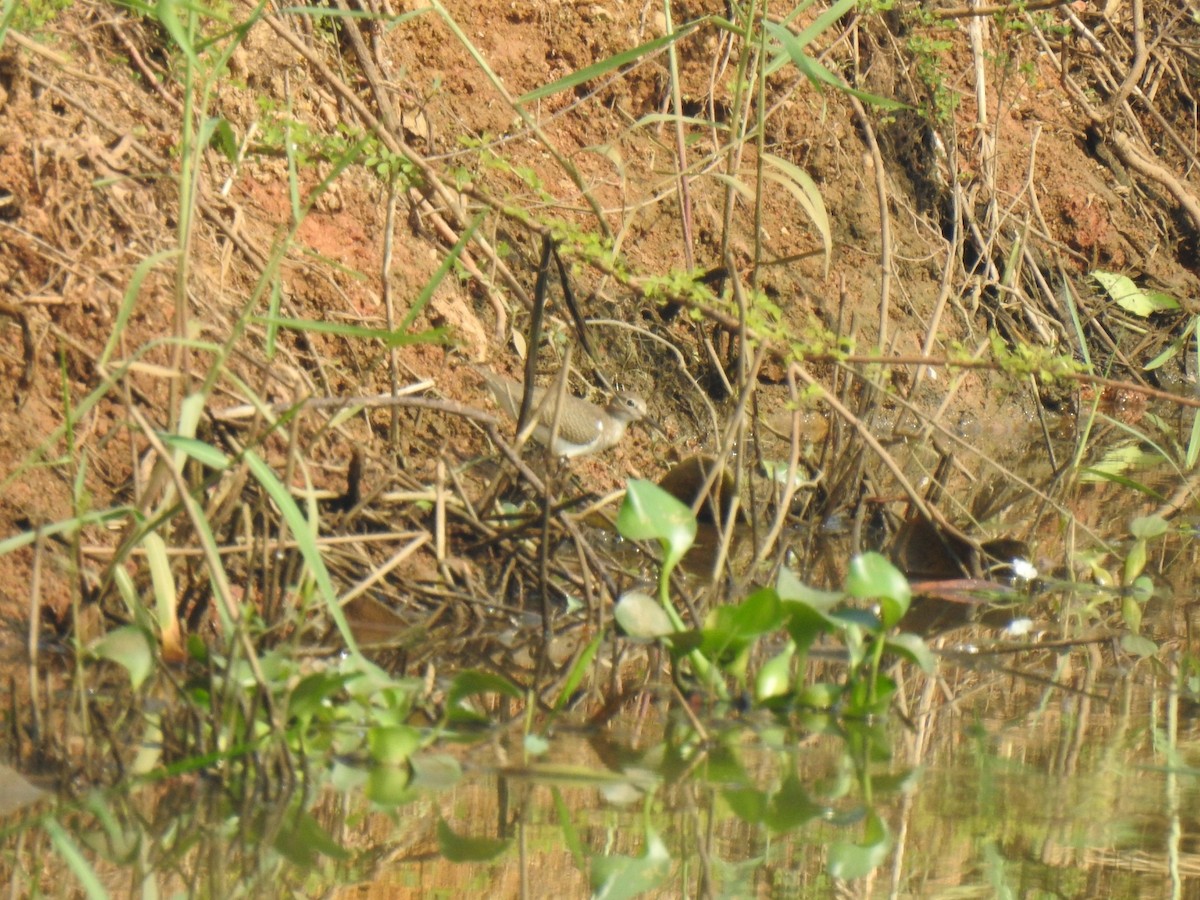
x,y
604,66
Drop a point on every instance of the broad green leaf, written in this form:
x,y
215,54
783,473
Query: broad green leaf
x,y
650,513
914,648
791,806
129,647
392,745
1135,560
624,877
1132,298
642,617
387,785
303,841
1138,645
790,587
471,681
774,679
1149,527
872,576
748,804
461,849
434,771
850,861
314,692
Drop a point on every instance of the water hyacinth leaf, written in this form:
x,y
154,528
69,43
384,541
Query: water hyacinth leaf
x,y
642,617
624,877
460,848
913,648
313,692
849,861
734,625
129,647
821,695
392,745
1139,645
650,513
872,576
471,681
805,624
774,679
748,804
791,807
435,771
790,587
387,786
302,841
1147,528
1142,588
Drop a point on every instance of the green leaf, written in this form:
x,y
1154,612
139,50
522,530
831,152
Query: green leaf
x,y
791,807
471,681
387,785
774,679
801,186
757,614
1142,588
849,861
310,696
805,624
913,648
1131,612
129,647
1132,298
302,841
1149,527
69,851
604,66
392,745
1135,560
621,877
1138,645
748,804
872,576
817,73
821,695
642,617
790,587
650,513
578,671
459,848
435,771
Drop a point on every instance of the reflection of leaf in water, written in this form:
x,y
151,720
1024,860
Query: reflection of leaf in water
x,y
620,876
1117,462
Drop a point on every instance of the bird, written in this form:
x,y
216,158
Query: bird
x,y
583,428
